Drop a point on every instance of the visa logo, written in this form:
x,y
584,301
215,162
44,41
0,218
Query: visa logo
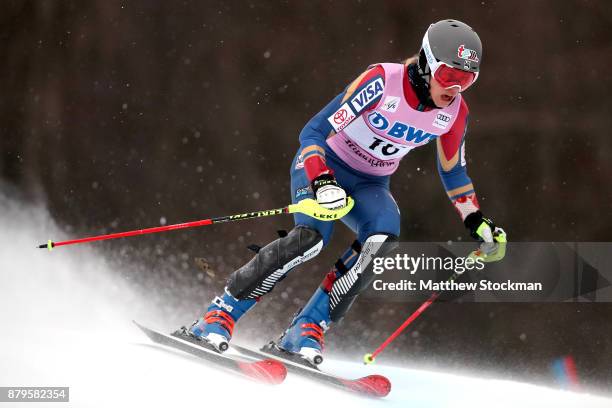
x,y
370,92
399,130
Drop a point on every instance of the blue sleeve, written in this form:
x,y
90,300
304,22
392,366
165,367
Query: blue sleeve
x,y
454,174
454,179
318,128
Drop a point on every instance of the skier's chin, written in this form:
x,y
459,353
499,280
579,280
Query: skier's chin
x,y
442,101
445,100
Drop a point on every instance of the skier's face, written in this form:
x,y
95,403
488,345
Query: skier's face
x,y
442,97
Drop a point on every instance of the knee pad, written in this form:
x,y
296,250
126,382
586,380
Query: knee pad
x,y
274,261
347,281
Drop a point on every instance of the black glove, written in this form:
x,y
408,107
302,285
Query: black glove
x,y
479,226
328,193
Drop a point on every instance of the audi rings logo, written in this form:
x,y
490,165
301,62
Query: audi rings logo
x,y
443,117
340,116
442,120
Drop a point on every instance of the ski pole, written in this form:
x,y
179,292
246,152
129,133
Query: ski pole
x,y
488,252
307,206
369,358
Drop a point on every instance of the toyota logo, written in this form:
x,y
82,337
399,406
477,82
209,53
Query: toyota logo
x,y
340,116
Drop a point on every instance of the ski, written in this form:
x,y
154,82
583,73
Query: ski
x,y
265,370
372,385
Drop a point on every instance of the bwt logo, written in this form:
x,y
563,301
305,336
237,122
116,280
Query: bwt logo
x,y
399,130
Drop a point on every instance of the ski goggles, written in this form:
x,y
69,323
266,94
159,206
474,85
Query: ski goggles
x,y
445,74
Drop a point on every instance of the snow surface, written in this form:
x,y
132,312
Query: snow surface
x,y
67,322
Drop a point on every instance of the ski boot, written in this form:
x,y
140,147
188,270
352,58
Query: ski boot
x,y
304,337
217,325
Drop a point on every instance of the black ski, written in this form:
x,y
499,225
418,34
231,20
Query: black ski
x,y
372,385
263,369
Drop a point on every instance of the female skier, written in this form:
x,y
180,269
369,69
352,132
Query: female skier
x,y
351,148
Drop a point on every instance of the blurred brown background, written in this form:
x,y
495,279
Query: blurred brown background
x,y
126,115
